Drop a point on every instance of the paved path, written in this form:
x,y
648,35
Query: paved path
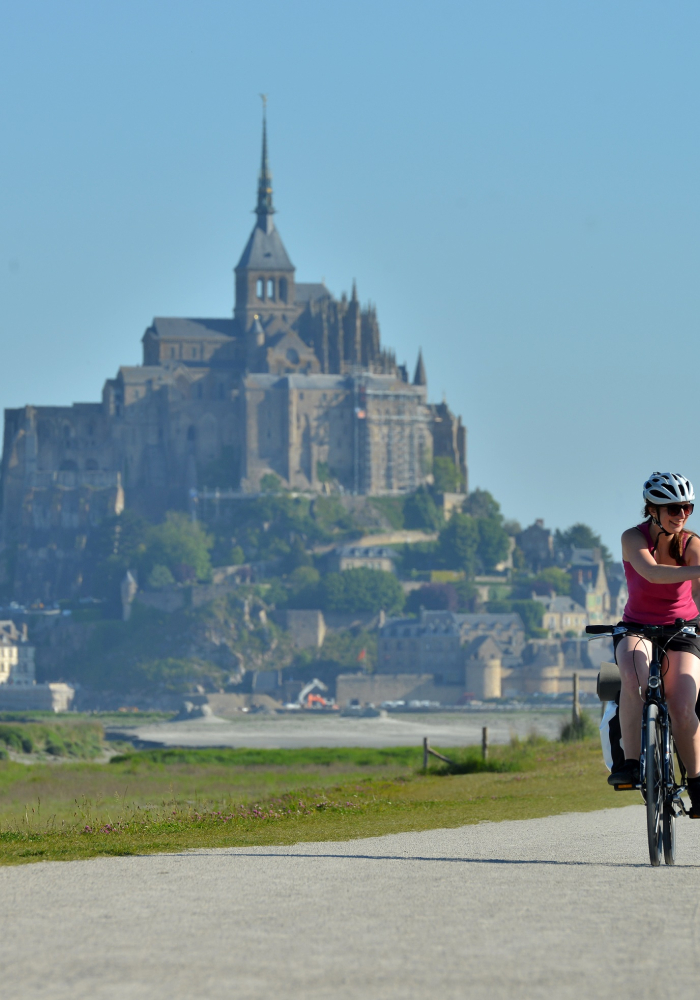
x,y
307,730
565,907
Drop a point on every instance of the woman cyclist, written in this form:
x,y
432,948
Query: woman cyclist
x,y
662,565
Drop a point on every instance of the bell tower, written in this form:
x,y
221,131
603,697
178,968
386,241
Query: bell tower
x,y
264,274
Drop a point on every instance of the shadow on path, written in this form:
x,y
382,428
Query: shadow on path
x,y
399,857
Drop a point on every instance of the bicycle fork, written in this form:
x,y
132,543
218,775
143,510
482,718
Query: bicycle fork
x,y
654,695
671,791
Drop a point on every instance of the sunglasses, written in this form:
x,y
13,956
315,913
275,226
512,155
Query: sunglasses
x,y
674,509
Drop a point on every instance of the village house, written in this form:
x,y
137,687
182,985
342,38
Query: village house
x,y
563,615
361,557
437,642
16,656
589,584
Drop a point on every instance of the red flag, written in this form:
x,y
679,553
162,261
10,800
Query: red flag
x,y
361,655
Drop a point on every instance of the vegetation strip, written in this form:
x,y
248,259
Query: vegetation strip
x,y
209,801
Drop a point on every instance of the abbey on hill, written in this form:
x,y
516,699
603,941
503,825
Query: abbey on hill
x,y
296,385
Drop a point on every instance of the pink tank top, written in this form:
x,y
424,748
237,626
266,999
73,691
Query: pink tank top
x,y
657,603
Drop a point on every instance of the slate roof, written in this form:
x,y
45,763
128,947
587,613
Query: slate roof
x,y
265,251
310,292
488,620
481,647
563,605
176,327
265,380
141,374
584,557
448,621
366,552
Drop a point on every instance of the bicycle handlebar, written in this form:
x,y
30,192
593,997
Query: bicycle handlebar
x,y
680,624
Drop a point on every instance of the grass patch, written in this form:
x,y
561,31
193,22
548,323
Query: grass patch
x,y
170,800
79,738
301,757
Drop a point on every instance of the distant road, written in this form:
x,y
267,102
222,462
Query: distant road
x,y
306,730
563,908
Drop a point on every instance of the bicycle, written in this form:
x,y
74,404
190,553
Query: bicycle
x,y
658,785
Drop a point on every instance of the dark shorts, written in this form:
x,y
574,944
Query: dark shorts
x,y
682,643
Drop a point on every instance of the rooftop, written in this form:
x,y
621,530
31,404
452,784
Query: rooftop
x,y
177,328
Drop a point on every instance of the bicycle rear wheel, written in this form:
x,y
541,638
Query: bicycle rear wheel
x,y
654,783
669,834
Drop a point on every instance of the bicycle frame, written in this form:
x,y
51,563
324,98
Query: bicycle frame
x,y
655,696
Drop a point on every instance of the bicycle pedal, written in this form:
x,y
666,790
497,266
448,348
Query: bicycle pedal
x,y
625,788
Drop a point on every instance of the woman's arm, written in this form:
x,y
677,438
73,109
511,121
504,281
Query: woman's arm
x,y
692,558
635,551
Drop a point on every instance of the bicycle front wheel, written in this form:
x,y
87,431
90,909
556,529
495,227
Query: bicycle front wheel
x,y
654,782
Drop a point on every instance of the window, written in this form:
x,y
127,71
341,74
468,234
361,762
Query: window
x,y
194,352
260,288
270,288
172,352
283,289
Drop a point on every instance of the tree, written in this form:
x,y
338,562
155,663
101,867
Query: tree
x,y
181,545
420,511
580,536
159,578
303,577
116,545
298,556
494,542
458,543
433,597
323,472
531,613
357,590
480,503
270,483
446,476
559,579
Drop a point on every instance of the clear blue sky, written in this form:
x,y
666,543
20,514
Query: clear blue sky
x,y
514,184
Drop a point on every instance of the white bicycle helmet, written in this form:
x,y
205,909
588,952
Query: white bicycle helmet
x,y
668,487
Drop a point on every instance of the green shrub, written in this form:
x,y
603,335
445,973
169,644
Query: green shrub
x,y
518,755
446,476
584,728
160,577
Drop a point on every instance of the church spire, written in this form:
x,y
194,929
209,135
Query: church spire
x,y
420,377
264,274
264,209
